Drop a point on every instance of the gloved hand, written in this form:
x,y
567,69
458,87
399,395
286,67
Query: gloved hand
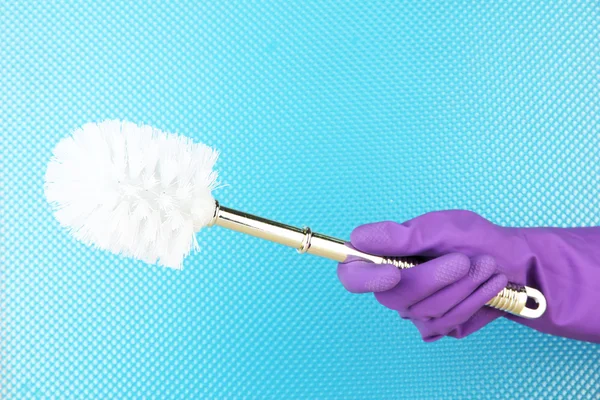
x,y
473,260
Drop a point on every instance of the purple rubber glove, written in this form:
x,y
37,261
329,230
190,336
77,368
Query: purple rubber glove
x,y
473,260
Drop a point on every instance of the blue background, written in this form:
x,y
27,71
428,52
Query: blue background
x,y
327,113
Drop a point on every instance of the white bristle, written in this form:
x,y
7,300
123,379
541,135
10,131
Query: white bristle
x,y
133,190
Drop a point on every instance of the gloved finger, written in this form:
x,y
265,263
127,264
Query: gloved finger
x,y
363,276
424,280
434,328
482,268
481,318
430,234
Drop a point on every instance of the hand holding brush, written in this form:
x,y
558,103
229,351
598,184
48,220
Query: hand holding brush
x,y
143,193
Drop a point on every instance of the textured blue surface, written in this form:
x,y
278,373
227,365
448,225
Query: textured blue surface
x,y
328,113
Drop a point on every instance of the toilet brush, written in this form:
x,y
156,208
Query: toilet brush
x,y
143,193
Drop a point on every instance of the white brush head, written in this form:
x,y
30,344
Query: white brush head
x,y
133,190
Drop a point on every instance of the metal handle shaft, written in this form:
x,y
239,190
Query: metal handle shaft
x,y
512,299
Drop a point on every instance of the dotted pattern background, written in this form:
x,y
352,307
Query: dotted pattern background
x,y
328,113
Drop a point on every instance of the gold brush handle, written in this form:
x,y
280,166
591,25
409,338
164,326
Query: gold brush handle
x,y
512,299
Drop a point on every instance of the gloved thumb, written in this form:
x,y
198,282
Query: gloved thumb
x,y
431,235
364,277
